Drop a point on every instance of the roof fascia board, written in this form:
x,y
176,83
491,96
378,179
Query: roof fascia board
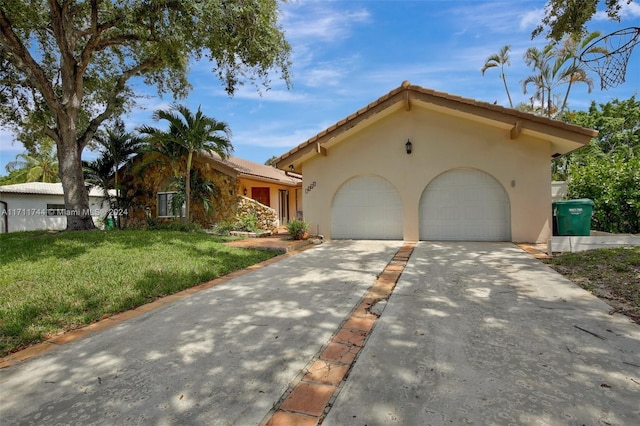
x,y
266,179
516,122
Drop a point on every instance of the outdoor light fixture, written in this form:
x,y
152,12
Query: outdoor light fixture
x,y
408,145
245,192
291,167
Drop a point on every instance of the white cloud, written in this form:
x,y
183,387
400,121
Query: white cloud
x,y
275,135
627,11
272,95
319,22
323,77
530,19
631,10
492,18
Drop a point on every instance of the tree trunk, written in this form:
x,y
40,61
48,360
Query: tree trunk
x,y
76,196
187,188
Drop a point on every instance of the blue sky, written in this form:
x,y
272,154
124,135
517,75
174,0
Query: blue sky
x,y
348,53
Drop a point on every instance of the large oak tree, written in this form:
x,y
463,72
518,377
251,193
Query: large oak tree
x,y
66,66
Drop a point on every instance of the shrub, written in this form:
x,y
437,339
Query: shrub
x,y
612,182
247,222
297,228
175,225
223,228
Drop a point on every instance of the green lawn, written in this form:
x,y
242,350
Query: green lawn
x,y
51,282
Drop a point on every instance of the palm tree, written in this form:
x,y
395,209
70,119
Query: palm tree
x,y
572,48
41,165
192,133
539,60
551,71
99,173
118,148
500,59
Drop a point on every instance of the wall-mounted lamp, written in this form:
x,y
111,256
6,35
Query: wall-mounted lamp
x,y
245,192
291,167
408,146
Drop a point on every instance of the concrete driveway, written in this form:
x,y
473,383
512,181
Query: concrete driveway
x,y
473,333
482,333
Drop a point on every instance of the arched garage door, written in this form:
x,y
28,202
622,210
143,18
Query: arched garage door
x,y
465,205
366,208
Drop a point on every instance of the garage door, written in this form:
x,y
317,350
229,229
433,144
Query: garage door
x,y
465,205
366,207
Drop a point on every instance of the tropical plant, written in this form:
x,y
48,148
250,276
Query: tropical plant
x,y
99,174
40,165
297,228
201,190
612,182
608,169
553,67
247,222
118,147
188,135
570,49
500,59
65,66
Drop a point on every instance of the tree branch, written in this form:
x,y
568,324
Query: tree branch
x,y
20,57
111,101
57,24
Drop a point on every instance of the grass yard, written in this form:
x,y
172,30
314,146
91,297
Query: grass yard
x,y
611,274
53,282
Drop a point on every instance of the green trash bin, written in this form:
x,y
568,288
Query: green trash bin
x,y
574,216
109,223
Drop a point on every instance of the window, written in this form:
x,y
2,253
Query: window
x,y
55,210
165,208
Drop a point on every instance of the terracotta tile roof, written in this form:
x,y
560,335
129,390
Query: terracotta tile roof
x,y
252,170
41,188
260,171
407,92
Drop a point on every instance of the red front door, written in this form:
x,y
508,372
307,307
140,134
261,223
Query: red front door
x,y
261,195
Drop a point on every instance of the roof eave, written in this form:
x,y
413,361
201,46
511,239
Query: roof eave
x,y
564,137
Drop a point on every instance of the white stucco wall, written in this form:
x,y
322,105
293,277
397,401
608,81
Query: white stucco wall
x,y
441,142
27,212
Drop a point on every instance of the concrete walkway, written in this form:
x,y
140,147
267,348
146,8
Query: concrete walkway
x,y
482,333
477,333
219,357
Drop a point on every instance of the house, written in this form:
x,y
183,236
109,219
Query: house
x,y
233,178
278,189
418,164
37,205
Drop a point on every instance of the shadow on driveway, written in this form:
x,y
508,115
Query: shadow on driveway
x,y
482,333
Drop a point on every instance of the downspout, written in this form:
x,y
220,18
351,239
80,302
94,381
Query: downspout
x,y
4,212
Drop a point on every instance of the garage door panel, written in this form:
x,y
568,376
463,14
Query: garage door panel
x,y
465,204
366,207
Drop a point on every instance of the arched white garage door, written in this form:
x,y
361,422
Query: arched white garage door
x,y
366,207
465,205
